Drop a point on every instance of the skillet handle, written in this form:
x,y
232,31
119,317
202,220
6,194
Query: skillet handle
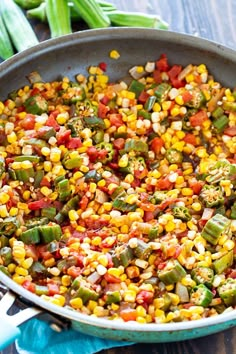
x,y
9,331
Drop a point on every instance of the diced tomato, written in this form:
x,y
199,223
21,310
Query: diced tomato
x,y
142,98
231,131
34,91
232,274
198,119
162,63
157,76
74,143
43,252
164,184
174,71
196,186
84,202
31,251
144,297
92,152
45,182
28,122
63,137
28,285
39,204
166,203
190,139
105,100
53,289
102,110
119,143
128,315
103,66
176,83
148,216
147,206
74,271
111,278
51,121
156,145
116,120
141,174
187,96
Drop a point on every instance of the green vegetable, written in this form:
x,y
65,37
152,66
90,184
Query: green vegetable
x,y
92,176
220,123
161,91
71,204
50,233
198,99
201,296
233,211
105,147
6,49
227,292
86,294
136,87
49,213
6,255
58,15
174,156
18,27
113,297
121,205
136,19
31,236
150,103
142,250
182,213
221,170
122,256
64,189
203,275
172,272
91,13
214,228
75,124
36,105
221,264
136,145
212,196
30,158
229,106
134,164
38,176
28,4
37,221
94,122
153,233
24,175
46,133
8,226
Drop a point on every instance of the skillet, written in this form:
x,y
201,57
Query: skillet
x,y
73,54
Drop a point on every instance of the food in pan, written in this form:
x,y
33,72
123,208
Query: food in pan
x,y
118,198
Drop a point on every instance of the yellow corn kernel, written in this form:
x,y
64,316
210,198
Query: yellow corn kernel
x,y
96,241
116,272
131,199
129,178
11,268
178,145
73,215
196,206
4,198
189,78
91,305
84,168
107,206
55,155
187,191
130,295
3,211
124,229
1,107
27,263
76,303
45,191
103,260
170,226
114,54
179,180
49,262
229,245
160,315
174,299
179,100
201,68
92,187
66,280
19,279
12,138
156,107
13,211
21,271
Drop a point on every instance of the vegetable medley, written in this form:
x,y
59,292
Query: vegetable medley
x,y
118,199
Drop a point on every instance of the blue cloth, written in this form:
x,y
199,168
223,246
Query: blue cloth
x,y
37,337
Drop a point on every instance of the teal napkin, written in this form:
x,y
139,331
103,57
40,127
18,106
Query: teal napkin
x,y
37,337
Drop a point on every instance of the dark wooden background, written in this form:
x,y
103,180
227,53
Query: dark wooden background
x,y
214,20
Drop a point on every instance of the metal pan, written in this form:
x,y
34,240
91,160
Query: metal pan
x,y
70,55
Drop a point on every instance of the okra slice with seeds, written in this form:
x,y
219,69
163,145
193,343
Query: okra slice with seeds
x,y
172,272
201,296
222,264
227,292
203,275
215,227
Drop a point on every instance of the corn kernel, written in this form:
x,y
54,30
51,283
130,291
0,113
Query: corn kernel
x,y
21,271
12,138
73,215
170,226
13,211
4,198
76,303
3,211
114,54
187,191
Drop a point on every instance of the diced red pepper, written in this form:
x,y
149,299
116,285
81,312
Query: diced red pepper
x,y
92,152
28,122
119,143
198,119
51,121
111,278
103,66
102,110
84,202
230,131
164,184
174,71
156,145
142,98
162,63
73,143
28,285
53,289
144,297
157,76
63,137
128,315
116,119
196,186
39,204
190,139
187,96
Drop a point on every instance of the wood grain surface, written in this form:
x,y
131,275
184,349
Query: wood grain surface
x,y
214,20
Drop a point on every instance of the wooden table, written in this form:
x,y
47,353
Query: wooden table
x,y
214,20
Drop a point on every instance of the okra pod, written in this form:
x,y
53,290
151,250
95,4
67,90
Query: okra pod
x,y
215,227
